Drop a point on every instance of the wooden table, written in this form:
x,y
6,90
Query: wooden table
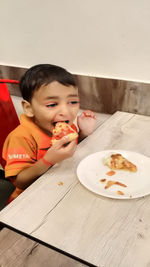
x,y
98,230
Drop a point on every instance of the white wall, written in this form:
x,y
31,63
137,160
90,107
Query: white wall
x,y
104,38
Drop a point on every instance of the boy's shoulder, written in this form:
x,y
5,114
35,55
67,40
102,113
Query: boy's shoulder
x,y
18,131
24,129
28,131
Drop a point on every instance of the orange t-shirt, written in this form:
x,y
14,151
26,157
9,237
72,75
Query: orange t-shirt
x,y
24,146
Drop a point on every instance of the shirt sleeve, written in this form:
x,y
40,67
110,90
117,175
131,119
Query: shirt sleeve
x,y
19,153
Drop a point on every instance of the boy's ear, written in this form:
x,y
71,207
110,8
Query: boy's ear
x,y
27,108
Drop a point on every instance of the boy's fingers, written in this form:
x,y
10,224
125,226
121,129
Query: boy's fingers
x,y
89,113
71,146
61,142
64,140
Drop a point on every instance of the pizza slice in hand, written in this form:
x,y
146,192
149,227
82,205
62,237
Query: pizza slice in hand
x,y
118,162
63,129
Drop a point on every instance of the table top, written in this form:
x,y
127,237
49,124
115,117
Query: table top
x,y
99,230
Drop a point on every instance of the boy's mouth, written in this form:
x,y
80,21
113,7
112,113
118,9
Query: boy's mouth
x,y
55,122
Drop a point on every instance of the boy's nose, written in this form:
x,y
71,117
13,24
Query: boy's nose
x,y
63,111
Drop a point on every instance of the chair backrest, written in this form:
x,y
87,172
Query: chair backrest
x,y
8,116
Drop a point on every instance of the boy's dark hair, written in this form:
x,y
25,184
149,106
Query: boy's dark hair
x,y
43,74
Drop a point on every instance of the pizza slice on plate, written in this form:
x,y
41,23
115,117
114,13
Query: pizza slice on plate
x,y
118,162
63,129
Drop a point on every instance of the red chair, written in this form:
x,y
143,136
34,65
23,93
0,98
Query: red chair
x,y
8,116
8,121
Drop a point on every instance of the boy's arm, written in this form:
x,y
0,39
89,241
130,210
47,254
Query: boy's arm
x,y
86,123
30,174
55,154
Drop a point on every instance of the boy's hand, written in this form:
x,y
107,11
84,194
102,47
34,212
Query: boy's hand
x,y
86,122
61,150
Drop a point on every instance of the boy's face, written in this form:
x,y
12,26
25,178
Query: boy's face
x,y
53,103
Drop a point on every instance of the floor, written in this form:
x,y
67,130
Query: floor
x,y
17,250
6,188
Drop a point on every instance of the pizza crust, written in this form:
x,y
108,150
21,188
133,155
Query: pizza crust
x,y
118,162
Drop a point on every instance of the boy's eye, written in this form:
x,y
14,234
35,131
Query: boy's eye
x,y
51,105
74,102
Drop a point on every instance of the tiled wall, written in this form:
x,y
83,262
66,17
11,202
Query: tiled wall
x,y
99,94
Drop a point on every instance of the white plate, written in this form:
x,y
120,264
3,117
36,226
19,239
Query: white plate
x,y
91,170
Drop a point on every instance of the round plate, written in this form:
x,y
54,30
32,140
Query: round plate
x,y
91,170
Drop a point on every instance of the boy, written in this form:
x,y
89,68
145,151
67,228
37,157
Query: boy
x,y
50,95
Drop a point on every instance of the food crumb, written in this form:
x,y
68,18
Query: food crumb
x,y
120,192
110,173
103,180
60,183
